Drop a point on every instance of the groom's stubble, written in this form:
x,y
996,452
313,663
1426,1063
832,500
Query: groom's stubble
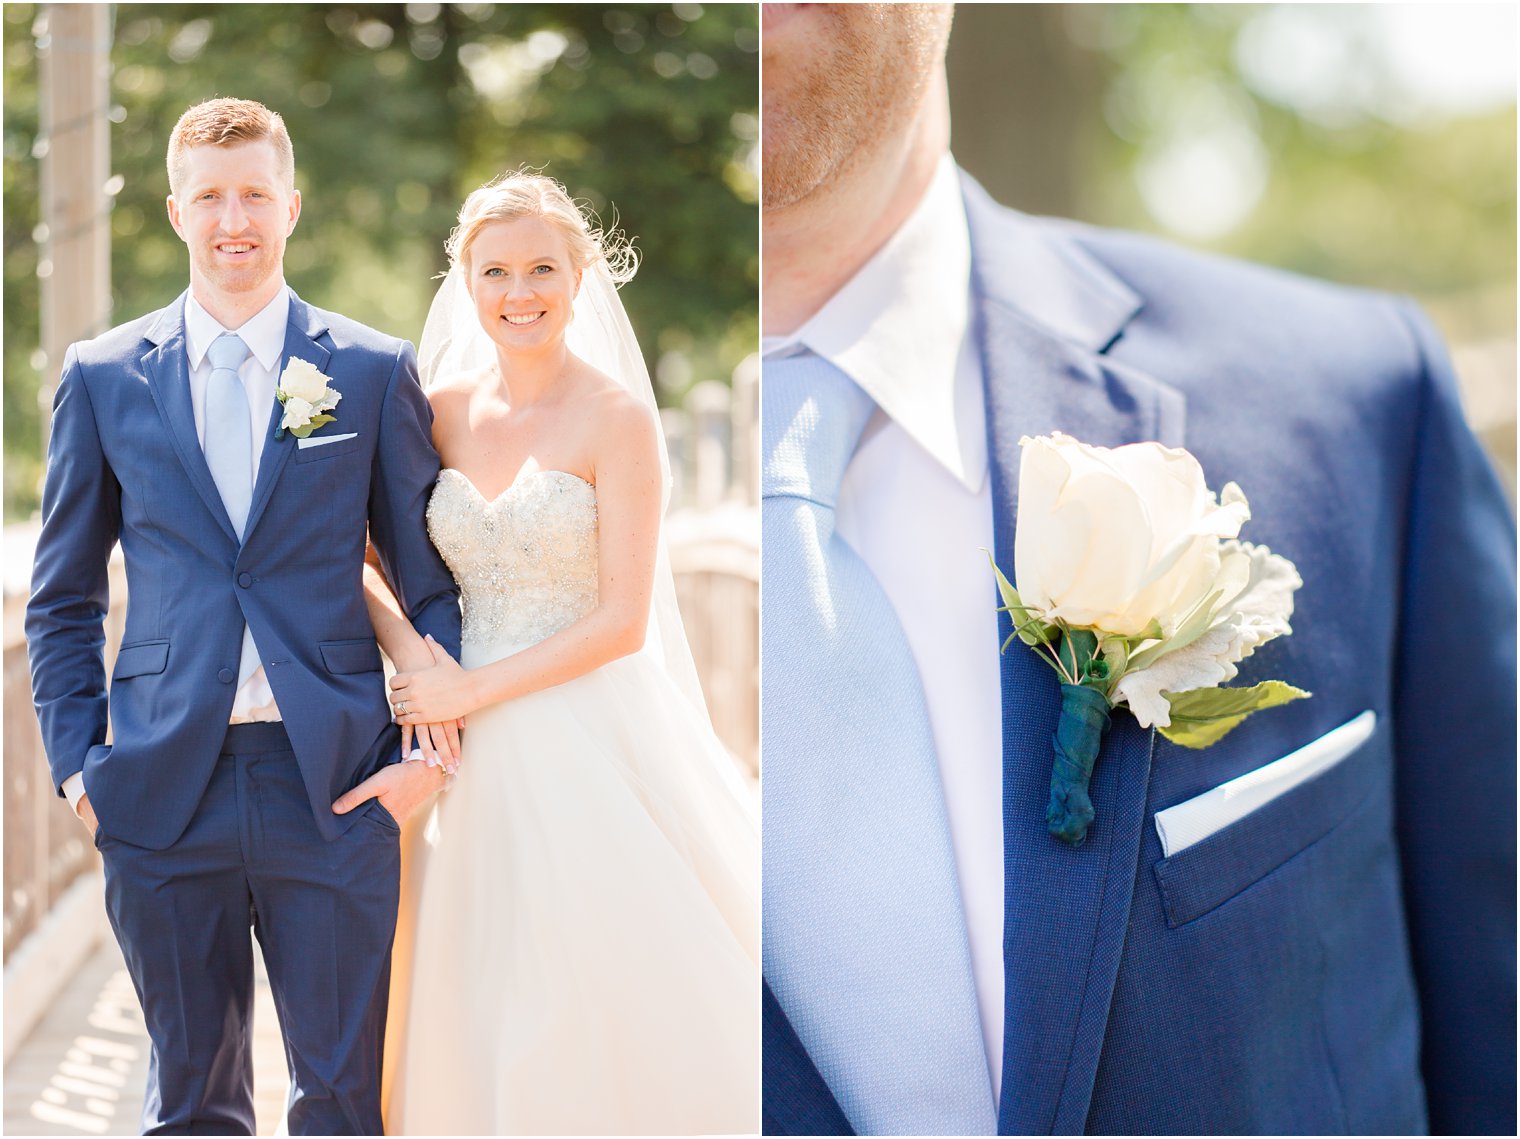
x,y
856,119
840,82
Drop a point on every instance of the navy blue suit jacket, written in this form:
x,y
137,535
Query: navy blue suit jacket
x,y
124,464
1343,958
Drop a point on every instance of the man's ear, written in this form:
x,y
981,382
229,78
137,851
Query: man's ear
x,y
295,211
173,207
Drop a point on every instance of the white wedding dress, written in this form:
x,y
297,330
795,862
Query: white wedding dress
x,y
578,945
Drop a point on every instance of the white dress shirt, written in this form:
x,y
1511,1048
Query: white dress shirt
x,y
264,333
916,505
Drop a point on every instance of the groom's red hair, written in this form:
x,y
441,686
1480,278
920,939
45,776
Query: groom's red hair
x,y
228,122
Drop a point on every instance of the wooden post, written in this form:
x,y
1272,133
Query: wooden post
x,y
709,404
74,267
746,433
74,275
677,427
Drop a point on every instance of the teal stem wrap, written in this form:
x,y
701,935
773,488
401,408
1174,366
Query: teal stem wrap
x,y
1078,736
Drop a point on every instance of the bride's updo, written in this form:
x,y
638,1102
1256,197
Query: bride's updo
x,y
523,194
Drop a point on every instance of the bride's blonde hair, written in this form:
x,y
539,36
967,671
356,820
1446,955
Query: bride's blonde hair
x,y
524,193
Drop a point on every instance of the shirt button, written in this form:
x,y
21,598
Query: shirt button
x,y
245,579
226,676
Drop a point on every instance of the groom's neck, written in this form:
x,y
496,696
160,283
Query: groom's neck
x,y
232,310
815,245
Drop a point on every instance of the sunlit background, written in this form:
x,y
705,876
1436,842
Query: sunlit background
x,y
1370,144
645,111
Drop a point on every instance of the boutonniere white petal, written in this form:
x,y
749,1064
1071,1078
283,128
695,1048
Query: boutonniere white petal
x,y
1134,587
307,395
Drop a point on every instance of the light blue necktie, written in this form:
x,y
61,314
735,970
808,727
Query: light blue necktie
x,y
865,937
229,450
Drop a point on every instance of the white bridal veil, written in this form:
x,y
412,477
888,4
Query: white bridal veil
x,y
453,341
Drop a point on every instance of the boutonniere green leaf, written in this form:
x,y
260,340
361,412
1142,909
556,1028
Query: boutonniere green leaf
x,y
1133,586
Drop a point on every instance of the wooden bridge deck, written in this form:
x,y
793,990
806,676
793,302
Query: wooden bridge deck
x,y
83,1068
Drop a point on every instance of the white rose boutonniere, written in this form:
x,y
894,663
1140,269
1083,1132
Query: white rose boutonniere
x,y
307,397
1133,586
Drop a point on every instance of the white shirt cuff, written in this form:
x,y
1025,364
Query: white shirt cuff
x,y
73,787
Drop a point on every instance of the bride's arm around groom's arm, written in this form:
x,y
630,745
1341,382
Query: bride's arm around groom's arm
x,y
406,467
408,651
629,486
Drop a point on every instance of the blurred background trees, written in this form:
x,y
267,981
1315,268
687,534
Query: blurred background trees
x,y
1365,143
648,112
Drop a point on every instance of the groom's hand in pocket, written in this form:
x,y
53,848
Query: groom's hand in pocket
x,y
400,787
86,814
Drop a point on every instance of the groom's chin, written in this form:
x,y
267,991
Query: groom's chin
x,y
242,277
803,150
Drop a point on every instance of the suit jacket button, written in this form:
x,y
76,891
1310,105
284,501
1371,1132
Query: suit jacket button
x,y
226,676
245,579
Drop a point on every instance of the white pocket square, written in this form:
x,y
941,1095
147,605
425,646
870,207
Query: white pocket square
x,y
322,440
1193,821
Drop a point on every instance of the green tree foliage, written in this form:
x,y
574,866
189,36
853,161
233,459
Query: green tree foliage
x,y
23,416
648,113
1360,188
1068,108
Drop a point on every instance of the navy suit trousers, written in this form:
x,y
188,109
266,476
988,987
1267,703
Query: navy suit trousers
x,y
325,915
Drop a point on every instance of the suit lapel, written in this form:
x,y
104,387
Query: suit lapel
x,y
795,1100
1047,314
302,330
168,368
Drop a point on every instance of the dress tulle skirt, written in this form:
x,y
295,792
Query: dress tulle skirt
x,y
577,951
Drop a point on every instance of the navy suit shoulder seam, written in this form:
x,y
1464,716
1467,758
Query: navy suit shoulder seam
x,y
368,339
1422,375
1405,312
398,360
81,369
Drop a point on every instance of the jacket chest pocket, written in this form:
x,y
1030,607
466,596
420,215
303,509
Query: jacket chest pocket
x,y
322,448
1207,873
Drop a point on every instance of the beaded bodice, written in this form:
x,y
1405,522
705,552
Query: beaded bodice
x,y
525,561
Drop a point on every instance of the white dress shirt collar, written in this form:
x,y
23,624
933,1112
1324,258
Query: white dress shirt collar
x,y
900,327
264,332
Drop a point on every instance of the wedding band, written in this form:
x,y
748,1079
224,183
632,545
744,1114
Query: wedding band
x,y
401,708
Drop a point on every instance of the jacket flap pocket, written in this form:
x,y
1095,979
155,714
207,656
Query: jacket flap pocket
x,y
1209,873
140,659
350,656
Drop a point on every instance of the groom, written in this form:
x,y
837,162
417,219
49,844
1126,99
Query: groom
x,y
1342,958
247,695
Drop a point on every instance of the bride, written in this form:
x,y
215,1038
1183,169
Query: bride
x,y
578,941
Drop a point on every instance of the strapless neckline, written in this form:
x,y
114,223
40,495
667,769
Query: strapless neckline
x,y
520,480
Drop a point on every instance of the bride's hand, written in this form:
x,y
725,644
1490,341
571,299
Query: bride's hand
x,y
438,744
432,695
